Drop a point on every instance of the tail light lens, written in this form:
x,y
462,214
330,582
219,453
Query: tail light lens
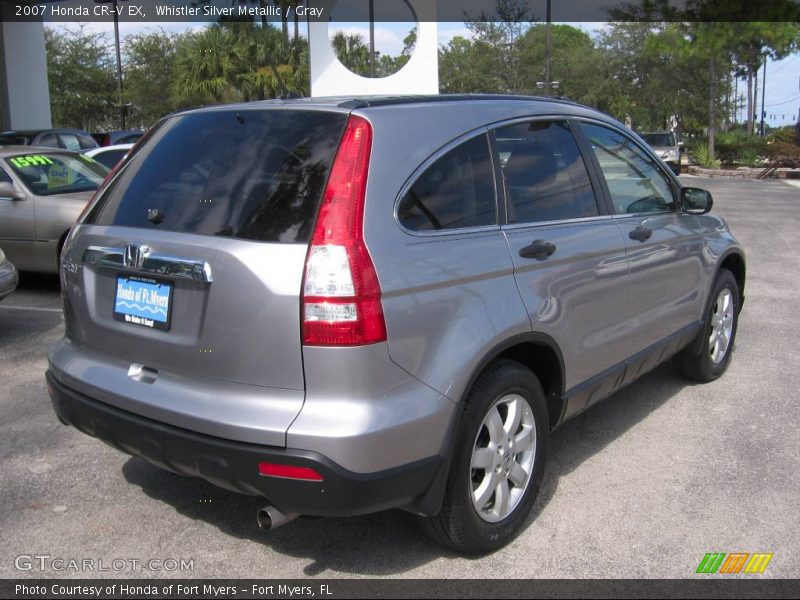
x,y
341,303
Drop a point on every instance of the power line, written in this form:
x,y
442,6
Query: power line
x,y
796,98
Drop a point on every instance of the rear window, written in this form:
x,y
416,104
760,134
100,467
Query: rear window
x,y
253,175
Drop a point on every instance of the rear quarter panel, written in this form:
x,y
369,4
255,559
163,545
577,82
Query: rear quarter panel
x,y
449,298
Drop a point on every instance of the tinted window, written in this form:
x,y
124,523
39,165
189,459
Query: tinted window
x,y
47,173
635,182
86,143
256,175
70,141
48,140
15,140
5,177
130,139
545,176
456,191
109,158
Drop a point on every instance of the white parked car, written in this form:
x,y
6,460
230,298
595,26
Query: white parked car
x,y
109,155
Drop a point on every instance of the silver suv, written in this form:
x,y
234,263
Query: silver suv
x,y
350,305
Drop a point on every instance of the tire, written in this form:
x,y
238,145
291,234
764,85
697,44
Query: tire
x,y
505,389
709,355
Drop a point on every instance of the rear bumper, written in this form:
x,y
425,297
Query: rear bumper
x,y
234,465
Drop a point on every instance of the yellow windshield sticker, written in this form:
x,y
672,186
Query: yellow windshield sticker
x,y
59,176
33,160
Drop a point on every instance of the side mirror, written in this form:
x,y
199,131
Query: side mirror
x,y
696,201
9,192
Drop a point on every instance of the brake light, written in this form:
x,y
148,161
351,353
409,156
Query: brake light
x,y
341,296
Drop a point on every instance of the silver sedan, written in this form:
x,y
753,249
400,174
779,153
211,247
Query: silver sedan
x,y
42,193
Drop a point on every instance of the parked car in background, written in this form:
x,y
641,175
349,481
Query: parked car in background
x,y
109,156
350,305
667,147
68,139
113,138
8,276
42,193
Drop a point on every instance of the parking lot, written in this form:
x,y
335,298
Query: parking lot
x,y
642,485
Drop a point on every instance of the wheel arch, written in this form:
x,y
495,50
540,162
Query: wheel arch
x,y
537,351
733,261
542,355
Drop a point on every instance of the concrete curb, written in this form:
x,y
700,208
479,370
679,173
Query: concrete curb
x,y
744,173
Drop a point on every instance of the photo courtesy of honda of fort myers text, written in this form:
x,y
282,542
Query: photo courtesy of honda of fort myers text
x,y
399,298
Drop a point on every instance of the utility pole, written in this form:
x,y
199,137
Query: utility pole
x,y
547,51
763,92
372,37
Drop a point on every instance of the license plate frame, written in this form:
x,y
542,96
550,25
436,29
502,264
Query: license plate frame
x,y
142,304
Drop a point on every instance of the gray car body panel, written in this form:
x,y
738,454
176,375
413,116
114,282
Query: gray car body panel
x,y
363,411
450,299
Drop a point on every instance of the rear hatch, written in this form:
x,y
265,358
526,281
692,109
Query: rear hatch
x,y
189,268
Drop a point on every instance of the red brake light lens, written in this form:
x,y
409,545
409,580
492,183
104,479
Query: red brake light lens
x,y
288,472
341,293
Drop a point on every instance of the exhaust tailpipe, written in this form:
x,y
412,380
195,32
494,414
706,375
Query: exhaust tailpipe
x,y
270,517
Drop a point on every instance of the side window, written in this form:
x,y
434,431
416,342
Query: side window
x,y
544,173
5,177
70,141
634,181
86,143
49,140
110,158
455,192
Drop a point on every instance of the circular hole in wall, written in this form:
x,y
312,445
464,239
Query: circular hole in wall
x,y
378,51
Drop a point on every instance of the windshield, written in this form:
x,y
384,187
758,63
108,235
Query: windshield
x,y
659,139
49,173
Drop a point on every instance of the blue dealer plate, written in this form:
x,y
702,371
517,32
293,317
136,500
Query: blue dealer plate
x,y
143,301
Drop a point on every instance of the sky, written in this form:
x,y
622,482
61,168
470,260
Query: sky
x,y
783,77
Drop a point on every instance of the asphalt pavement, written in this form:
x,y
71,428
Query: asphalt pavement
x,y
641,485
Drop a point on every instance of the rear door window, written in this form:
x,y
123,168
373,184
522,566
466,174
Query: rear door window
x,y
544,173
249,174
455,192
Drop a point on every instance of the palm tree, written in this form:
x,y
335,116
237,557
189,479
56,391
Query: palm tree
x,y
240,61
352,52
204,66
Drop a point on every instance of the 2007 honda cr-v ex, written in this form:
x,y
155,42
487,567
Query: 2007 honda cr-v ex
x,y
349,305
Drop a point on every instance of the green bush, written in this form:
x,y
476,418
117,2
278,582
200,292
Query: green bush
x,y
702,156
737,150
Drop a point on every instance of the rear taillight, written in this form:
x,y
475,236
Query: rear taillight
x,y
341,301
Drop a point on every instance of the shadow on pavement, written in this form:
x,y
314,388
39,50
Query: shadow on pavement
x,y
45,282
391,543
